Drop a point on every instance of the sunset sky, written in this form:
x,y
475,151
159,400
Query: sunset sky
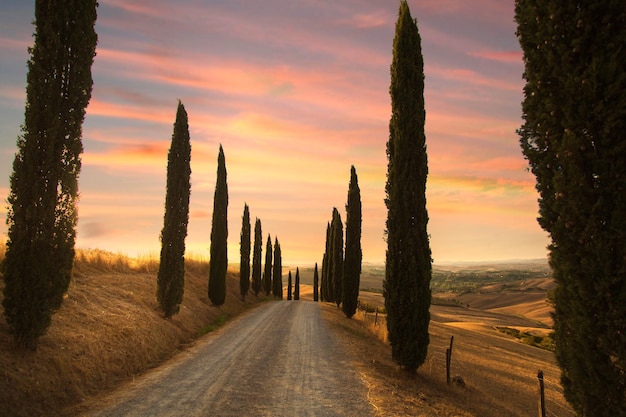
x,y
296,92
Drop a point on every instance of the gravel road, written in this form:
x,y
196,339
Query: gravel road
x,y
277,360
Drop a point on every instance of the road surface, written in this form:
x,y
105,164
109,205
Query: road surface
x,y
279,359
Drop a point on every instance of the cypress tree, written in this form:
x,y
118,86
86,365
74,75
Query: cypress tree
x,y
289,286
43,196
315,284
296,287
257,283
408,260
573,138
336,263
277,276
322,289
325,286
244,249
171,275
267,273
219,236
353,255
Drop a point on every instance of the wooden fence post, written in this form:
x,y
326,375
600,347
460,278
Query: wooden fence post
x,y
376,317
449,360
542,398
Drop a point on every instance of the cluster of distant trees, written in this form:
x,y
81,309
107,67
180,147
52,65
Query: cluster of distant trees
x,y
572,136
341,270
271,281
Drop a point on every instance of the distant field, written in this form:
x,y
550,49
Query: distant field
x,y
458,278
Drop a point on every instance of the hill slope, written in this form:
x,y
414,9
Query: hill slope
x,y
108,330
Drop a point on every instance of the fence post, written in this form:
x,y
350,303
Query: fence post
x,y
542,398
376,317
449,360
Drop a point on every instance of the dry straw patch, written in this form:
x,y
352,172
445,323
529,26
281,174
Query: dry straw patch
x,y
108,330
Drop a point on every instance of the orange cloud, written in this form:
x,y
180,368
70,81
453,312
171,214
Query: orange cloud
x,y
98,107
148,156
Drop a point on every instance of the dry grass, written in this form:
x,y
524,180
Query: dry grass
x,y
108,330
499,372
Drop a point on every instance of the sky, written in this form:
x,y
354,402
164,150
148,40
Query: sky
x,y
296,93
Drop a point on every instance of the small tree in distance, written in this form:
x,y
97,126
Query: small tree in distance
x,y
256,258
171,275
289,286
315,284
296,288
267,273
336,256
326,284
244,249
219,236
277,275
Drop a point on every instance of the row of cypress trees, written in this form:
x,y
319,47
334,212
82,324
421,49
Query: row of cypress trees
x,y
341,271
170,278
271,281
171,274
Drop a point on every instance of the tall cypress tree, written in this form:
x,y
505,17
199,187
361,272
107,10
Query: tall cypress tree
x,y
219,236
42,213
336,256
244,250
408,261
277,275
267,272
289,285
171,275
353,255
573,138
315,284
257,283
296,287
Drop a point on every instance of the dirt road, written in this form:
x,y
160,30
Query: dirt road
x,y
277,360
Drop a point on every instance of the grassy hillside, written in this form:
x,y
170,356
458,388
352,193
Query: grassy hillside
x,y
108,330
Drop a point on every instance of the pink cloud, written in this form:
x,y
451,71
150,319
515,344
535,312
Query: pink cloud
x,y
15,45
151,8
491,11
471,77
499,56
369,20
